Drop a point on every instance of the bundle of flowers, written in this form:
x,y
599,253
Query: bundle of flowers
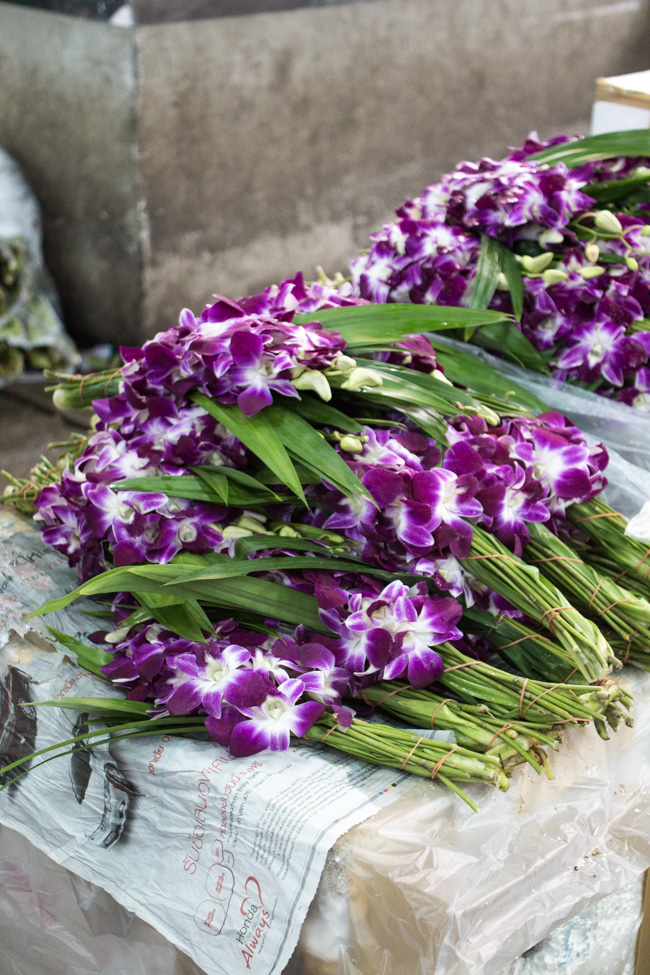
x,y
558,235
298,517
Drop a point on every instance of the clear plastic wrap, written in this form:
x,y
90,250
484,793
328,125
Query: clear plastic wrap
x,y
431,886
621,428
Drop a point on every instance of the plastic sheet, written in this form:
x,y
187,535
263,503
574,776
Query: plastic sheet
x,y
423,885
600,939
431,886
621,428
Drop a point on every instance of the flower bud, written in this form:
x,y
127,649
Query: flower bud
x,y
491,418
437,374
234,532
361,376
315,380
118,635
591,272
551,236
592,252
502,282
535,265
632,263
554,276
252,520
645,231
344,363
288,532
352,445
607,221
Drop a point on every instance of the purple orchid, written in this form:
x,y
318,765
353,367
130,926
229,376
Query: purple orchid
x,y
585,314
270,722
452,501
209,677
393,631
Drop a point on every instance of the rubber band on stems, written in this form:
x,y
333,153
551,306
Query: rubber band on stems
x,y
637,567
554,558
529,636
408,757
384,698
443,760
445,700
595,592
555,612
628,599
521,699
536,699
468,663
335,727
605,514
111,378
495,555
499,732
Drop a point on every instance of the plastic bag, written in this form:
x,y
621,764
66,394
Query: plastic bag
x,y
32,335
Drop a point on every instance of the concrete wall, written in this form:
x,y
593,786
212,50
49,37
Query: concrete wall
x,y
68,116
273,142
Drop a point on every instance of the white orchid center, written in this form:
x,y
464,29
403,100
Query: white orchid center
x,y
274,708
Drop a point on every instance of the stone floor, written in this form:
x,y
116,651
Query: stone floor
x,y
28,423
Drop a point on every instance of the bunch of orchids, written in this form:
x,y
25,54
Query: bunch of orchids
x,y
558,235
296,515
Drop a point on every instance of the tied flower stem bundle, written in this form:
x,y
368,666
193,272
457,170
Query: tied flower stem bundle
x,y
375,743
406,750
613,551
514,697
528,589
473,725
532,652
600,597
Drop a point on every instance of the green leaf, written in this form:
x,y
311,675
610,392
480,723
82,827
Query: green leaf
x,y
260,597
487,273
113,705
216,482
309,447
184,486
483,379
634,142
282,563
257,543
259,435
240,478
182,616
417,384
616,190
316,411
133,578
92,658
508,341
510,267
367,325
429,422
